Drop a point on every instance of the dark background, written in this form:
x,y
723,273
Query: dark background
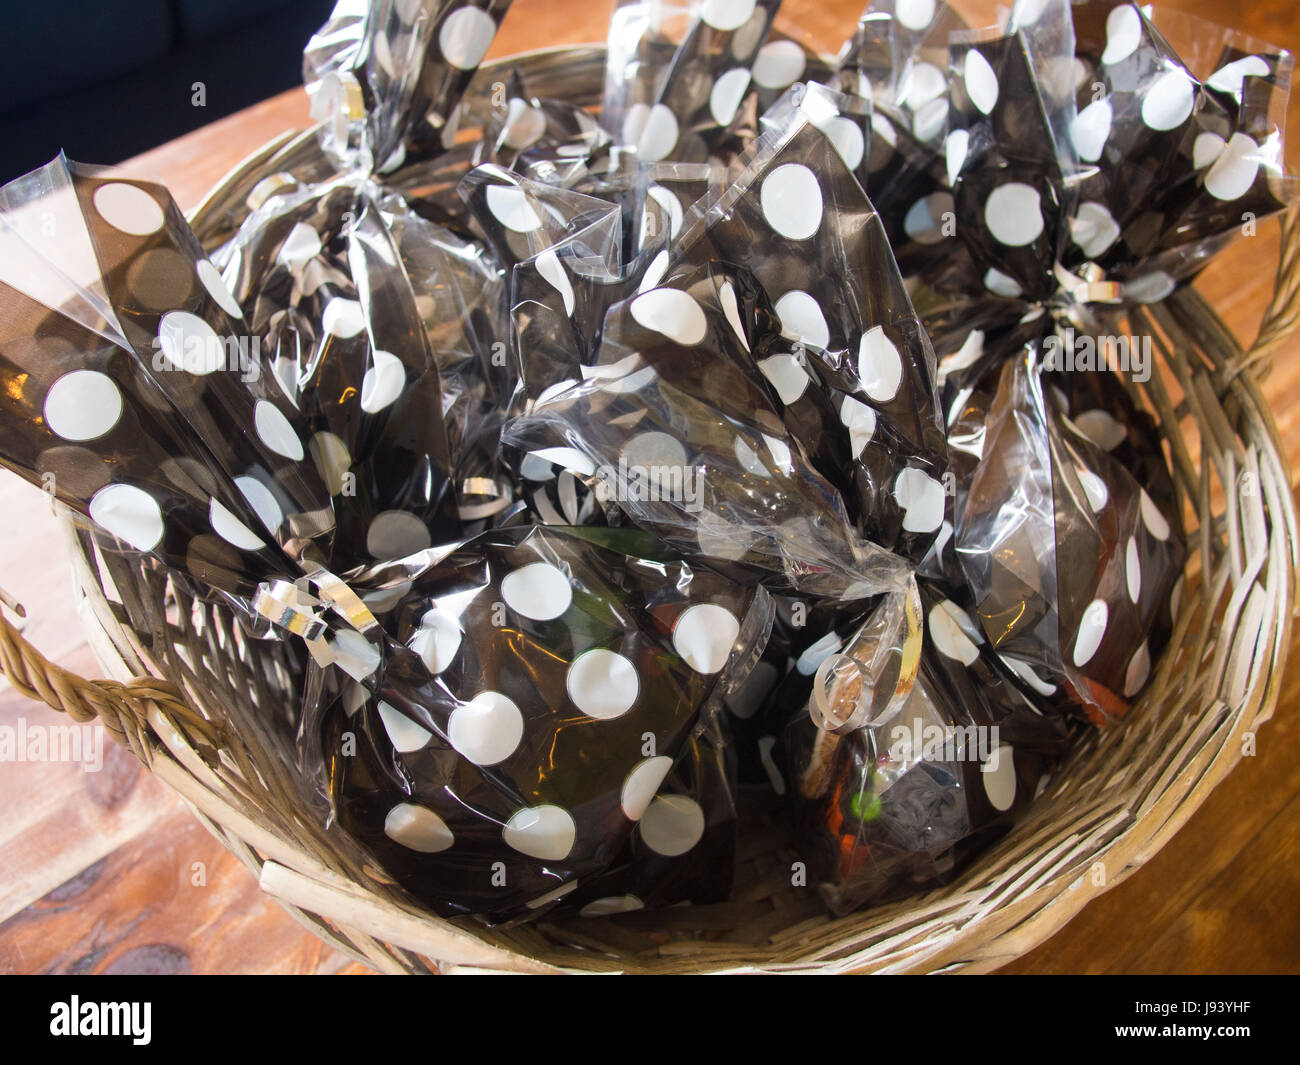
x,y
104,80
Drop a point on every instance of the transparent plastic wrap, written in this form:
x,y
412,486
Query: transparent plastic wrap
x,y
901,804
811,429
129,362
549,681
386,77
1071,538
1085,167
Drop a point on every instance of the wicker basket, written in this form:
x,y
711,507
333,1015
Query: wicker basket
x,y
194,701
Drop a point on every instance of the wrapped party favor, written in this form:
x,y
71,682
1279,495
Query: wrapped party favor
x,y
1071,539
551,686
902,804
808,414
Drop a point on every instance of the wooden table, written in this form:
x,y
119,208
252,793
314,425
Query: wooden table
x,y
108,872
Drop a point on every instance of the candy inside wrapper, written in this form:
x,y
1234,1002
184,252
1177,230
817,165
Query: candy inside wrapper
x,y
609,476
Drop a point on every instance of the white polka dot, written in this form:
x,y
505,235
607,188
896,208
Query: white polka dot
x,y
846,137
654,273
672,825
1000,284
1094,488
553,272
611,905
1102,429
300,246
552,896
128,208
396,534
970,352
1133,570
780,453
634,122
727,14
641,785
719,538
654,449
602,683
1092,627
1234,172
568,457
953,632
332,460
1094,229
544,832
1208,147
817,653
538,590
981,82
922,499
417,828
264,504
405,735
748,459
747,38
511,208
778,64
466,36
658,135
1167,102
524,124
82,405
861,422
731,310
925,220
1149,288
190,344
1139,669
671,205
1026,672
704,635
1152,518
274,430
1123,34
955,149
211,278
353,645
1231,78
914,14
791,200
1091,128
343,318
930,119
671,312
383,381
880,368
999,776
487,729
436,641
129,513
231,529
787,376
1014,214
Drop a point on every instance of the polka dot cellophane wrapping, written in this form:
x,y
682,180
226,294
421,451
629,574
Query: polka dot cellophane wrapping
x,y
1120,795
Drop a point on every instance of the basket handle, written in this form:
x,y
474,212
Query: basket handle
x,y
1284,308
123,709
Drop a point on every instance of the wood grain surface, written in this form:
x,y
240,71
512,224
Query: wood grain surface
x,y
108,872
